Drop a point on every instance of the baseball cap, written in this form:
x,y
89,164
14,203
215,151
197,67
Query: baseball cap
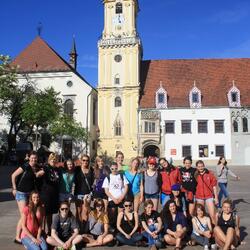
x,y
152,160
176,187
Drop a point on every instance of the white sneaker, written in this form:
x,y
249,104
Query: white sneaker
x,y
214,247
206,247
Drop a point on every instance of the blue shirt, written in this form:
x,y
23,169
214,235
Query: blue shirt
x,y
134,181
180,219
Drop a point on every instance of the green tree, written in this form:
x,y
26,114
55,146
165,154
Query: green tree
x,y
66,125
12,97
40,110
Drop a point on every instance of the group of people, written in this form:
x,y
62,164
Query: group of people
x,y
108,201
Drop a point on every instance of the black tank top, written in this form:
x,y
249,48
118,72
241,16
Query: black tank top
x,y
128,226
226,223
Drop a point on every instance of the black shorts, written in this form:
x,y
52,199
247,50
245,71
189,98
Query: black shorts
x,y
224,229
100,195
111,204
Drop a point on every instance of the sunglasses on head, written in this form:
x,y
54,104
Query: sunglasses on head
x,y
128,205
64,209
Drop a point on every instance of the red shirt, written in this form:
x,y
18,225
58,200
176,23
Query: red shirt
x,y
32,227
169,178
205,184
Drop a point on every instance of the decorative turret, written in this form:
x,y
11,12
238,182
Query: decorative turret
x,y
73,55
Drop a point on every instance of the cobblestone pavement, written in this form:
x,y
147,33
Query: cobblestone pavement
x,y
239,190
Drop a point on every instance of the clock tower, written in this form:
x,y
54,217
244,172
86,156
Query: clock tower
x,y
118,79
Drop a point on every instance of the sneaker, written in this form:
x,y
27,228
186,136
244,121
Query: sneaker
x,y
59,248
206,247
214,247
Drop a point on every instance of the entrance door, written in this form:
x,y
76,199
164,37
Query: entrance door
x,y
151,150
67,149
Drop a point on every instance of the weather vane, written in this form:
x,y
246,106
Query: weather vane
x,y
39,28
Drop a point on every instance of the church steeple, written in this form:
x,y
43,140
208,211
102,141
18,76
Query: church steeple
x,y
73,55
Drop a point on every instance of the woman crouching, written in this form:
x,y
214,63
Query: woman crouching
x,y
64,232
227,232
98,226
32,220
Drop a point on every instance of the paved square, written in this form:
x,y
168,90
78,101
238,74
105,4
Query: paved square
x,y
239,190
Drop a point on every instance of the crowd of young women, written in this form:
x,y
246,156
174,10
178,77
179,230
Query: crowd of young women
x,y
108,201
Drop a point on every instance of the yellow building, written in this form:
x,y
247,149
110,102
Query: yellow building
x,y
118,81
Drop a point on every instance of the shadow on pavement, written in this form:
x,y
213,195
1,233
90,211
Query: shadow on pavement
x,y
243,233
6,196
238,201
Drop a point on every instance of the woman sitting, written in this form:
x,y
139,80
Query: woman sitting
x,y
127,225
227,232
32,220
98,226
64,232
202,227
151,224
175,224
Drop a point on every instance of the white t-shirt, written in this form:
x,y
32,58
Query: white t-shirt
x,y
115,185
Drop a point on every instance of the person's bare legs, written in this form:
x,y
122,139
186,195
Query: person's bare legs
x,y
21,204
170,240
180,234
105,205
155,202
219,236
211,210
229,238
50,240
137,202
78,204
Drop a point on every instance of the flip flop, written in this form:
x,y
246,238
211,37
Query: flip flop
x,y
17,242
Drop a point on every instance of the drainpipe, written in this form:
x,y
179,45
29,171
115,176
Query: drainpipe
x,y
87,123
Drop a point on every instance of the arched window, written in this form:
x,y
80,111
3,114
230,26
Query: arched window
x,y
118,8
235,126
195,97
117,79
118,128
233,96
118,101
69,107
244,124
161,97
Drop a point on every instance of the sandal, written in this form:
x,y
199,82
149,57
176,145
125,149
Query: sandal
x,y
17,242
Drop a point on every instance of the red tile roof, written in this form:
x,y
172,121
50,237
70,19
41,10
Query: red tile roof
x,y
213,77
40,57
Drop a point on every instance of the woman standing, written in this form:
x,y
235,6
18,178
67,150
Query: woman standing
x,y
175,225
222,173
227,230
23,183
64,232
202,227
84,179
152,182
127,225
119,158
67,178
135,189
206,191
50,189
98,226
32,220
101,172
188,182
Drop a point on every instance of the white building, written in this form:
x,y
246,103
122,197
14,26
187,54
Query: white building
x,y
43,66
196,107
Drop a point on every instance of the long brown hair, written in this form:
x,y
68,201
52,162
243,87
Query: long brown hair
x,y
96,167
34,208
201,207
103,217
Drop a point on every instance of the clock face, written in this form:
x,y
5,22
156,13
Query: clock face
x,y
118,19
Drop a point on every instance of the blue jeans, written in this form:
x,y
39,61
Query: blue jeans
x,y
30,245
201,240
136,237
151,240
223,191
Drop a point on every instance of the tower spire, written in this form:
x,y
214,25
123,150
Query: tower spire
x,y
73,55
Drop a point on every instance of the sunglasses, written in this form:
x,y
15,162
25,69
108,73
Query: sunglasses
x,y
85,160
128,205
99,205
113,169
64,209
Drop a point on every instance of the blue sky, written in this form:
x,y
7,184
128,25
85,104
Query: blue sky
x,y
170,29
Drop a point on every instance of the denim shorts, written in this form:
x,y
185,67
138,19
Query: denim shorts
x,y
152,196
204,200
21,196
